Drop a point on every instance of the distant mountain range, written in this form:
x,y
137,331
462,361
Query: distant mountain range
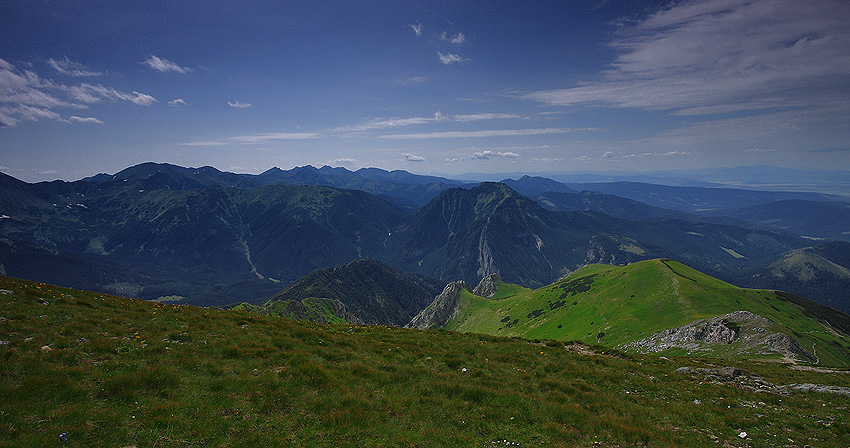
x,y
202,236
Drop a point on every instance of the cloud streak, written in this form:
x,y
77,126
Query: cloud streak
x,y
255,139
486,155
720,56
164,65
89,120
483,133
450,58
25,96
70,68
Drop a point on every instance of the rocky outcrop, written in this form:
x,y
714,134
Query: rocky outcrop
x,y
741,379
442,309
710,331
744,331
488,285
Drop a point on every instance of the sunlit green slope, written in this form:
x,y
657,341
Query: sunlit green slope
x,y
83,369
617,305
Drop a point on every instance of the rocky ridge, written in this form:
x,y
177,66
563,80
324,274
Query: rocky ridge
x,y
488,285
743,331
442,309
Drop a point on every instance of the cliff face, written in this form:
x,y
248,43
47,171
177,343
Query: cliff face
x,y
488,285
442,309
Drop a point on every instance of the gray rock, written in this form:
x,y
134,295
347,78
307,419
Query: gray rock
x,y
750,332
442,309
488,285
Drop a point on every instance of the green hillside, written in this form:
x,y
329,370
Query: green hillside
x,y
104,371
615,306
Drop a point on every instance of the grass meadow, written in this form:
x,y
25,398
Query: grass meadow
x,y
107,371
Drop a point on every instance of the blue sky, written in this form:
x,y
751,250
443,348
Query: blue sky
x,y
429,87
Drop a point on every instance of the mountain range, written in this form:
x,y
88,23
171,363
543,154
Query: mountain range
x,y
202,236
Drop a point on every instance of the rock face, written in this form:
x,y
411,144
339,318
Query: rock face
x,y
742,331
710,331
488,285
442,309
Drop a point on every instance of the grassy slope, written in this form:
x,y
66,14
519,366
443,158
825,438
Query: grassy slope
x,y
632,302
123,372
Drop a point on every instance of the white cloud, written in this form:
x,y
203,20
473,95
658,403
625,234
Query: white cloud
x,y
343,161
719,56
89,120
411,80
24,96
458,38
205,143
390,123
13,115
485,116
417,28
179,102
413,158
164,65
255,139
484,134
238,105
485,155
70,68
272,136
88,93
450,58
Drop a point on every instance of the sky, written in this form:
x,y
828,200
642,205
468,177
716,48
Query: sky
x,y
432,87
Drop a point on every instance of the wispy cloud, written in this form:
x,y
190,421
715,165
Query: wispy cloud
x,y
612,156
458,38
413,158
417,28
273,136
164,65
411,80
393,123
238,105
485,155
179,102
718,56
71,68
89,120
88,93
390,123
450,58
343,161
483,134
255,139
25,96
485,116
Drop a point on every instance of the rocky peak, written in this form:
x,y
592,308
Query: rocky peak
x,y
442,309
488,285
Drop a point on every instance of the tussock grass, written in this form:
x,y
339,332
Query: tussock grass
x,y
120,372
